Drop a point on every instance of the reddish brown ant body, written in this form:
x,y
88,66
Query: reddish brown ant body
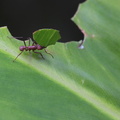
x,y
33,47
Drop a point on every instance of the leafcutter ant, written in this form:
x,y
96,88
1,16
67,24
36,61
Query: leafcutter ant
x,y
32,47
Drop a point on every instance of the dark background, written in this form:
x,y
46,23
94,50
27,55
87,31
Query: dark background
x,y
23,17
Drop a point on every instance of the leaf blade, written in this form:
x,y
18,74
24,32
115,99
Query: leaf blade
x,y
76,84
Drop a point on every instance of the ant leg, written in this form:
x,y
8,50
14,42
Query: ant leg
x,y
17,56
29,40
34,43
48,53
24,43
39,53
29,43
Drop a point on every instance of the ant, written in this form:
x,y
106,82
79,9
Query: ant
x,y
33,47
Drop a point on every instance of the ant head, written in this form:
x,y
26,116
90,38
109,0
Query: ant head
x,y
21,48
39,47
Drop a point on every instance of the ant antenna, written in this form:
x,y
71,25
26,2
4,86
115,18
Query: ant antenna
x,y
17,56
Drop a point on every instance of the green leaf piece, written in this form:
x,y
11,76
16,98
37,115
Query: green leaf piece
x,y
46,37
78,84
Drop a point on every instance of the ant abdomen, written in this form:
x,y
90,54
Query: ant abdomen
x,y
22,48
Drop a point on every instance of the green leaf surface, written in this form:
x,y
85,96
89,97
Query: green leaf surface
x,y
46,37
78,84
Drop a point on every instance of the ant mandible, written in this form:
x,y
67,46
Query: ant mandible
x,y
29,48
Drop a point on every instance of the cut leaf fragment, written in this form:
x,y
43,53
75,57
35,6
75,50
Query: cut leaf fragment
x,y
46,37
